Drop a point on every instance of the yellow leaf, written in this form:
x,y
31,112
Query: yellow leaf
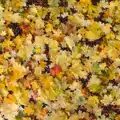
x,y
117,45
12,98
42,64
47,84
8,44
28,110
91,35
1,69
34,85
118,117
25,94
37,50
18,41
49,27
85,1
18,72
93,100
25,118
12,88
2,85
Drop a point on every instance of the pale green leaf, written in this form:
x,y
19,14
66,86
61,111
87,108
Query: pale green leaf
x,y
94,88
1,28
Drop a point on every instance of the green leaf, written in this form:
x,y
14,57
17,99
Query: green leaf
x,y
53,3
0,47
110,20
81,100
23,14
3,2
1,28
71,1
94,88
20,115
105,73
96,68
56,22
79,47
7,55
112,116
58,91
113,93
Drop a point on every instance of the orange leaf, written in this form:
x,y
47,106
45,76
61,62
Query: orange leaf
x,y
43,112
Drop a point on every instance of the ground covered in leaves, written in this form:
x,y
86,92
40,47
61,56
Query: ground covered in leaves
x,y
60,59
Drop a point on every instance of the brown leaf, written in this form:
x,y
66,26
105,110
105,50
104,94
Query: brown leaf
x,y
58,38
2,38
68,28
43,3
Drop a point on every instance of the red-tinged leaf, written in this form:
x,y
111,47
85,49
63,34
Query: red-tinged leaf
x,y
57,69
35,95
24,26
52,72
